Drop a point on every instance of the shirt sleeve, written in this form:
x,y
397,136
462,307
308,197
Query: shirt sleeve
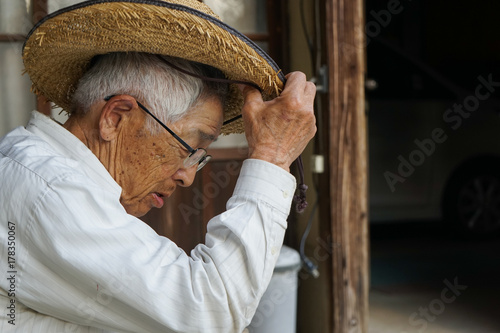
x,y
88,262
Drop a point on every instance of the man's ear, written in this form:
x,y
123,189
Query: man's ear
x,y
113,115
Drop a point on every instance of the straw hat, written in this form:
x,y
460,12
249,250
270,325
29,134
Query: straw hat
x,y
59,48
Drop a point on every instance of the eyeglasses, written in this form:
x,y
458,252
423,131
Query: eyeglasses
x,y
196,156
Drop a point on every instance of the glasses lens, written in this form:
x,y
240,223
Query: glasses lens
x,y
198,156
204,161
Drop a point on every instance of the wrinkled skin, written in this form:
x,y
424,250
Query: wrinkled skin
x,y
147,167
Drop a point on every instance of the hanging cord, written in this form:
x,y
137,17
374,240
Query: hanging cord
x,y
301,204
206,78
300,198
307,263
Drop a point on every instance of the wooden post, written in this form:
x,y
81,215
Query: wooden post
x,y
347,164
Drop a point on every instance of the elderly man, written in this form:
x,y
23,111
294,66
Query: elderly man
x,y
149,85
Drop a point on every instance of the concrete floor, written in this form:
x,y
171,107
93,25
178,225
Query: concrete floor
x,y
425,280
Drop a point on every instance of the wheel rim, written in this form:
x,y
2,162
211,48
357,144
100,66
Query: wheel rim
x,y
478,204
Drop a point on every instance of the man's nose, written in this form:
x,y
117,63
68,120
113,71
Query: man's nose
x,y
185,176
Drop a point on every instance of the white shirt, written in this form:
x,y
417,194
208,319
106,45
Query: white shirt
x,y
77,262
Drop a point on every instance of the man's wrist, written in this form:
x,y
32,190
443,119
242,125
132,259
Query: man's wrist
x,y
271,158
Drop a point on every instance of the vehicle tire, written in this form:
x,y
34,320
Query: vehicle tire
x,y
471,202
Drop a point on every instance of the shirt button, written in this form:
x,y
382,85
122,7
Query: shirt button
x,y
285,194
274,250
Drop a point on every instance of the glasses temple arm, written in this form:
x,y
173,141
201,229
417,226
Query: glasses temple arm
x,y
188,147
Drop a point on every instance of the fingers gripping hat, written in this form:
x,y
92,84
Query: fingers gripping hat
x,y
60,47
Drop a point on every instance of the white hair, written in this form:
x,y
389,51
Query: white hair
x,y
168,93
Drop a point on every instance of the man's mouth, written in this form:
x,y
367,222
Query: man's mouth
x,y
158,199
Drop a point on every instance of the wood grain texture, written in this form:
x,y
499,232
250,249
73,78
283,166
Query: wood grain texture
x,y
348,165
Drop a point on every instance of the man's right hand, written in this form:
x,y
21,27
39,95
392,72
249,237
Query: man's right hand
x,y
278,130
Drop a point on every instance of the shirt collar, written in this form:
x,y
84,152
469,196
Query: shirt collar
x,y
65,143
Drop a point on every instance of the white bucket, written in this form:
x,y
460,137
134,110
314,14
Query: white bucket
x,y
277,310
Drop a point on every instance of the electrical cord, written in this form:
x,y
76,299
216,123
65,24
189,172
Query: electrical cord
x,y
309,41
307,263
